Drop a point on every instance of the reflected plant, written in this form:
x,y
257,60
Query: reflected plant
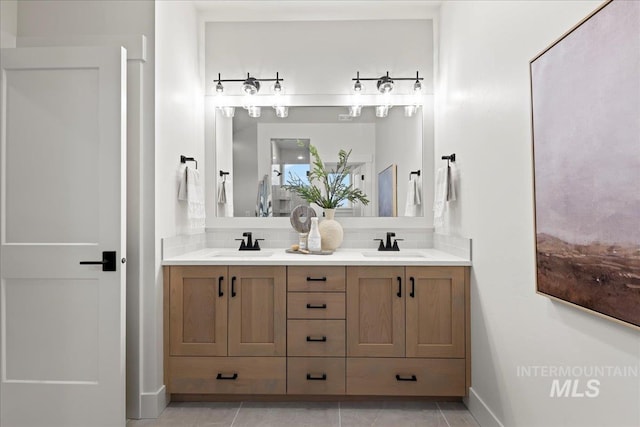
x,y
334,190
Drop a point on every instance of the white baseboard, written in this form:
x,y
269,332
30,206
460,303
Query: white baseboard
x,y
480,411
152,404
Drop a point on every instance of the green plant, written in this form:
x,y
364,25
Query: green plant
x,y
334,190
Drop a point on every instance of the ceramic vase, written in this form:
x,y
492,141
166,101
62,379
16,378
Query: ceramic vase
x,y
330,231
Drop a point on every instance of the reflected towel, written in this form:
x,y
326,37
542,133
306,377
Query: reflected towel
x,y
191,190
452,177
222,192
412,205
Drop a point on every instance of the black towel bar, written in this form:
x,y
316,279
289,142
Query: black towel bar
x,y
185,159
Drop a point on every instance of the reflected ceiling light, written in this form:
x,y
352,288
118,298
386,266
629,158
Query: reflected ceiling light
x,y
382,110
355,110
254,111
228,111
281,111
410,110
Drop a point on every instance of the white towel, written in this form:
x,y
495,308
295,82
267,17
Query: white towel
x,y
440,196
412,205
191,190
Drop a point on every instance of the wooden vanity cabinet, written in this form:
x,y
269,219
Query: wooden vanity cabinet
x,y
407,330
226,329
311,330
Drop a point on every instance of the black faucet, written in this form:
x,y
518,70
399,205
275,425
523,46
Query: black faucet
x,y
249,245
388,246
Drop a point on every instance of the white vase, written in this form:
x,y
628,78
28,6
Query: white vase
x,y
330,231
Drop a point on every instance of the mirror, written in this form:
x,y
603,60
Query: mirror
x,y
263,152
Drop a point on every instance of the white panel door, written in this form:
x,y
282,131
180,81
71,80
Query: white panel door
x,y
62,200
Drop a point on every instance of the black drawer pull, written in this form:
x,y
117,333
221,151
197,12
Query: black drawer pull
x,y
316,279
233,286
323,339
220,279
319,378
232,377
412,294
321,306
413,378
399,287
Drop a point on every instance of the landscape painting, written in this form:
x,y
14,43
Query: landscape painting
x,y
586,142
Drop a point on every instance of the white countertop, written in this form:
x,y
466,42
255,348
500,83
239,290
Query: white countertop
x,y
229,256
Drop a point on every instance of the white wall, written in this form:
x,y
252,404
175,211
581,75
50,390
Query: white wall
x,y
179,131
8,23
63,19
483,115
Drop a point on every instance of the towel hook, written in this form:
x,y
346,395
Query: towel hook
x,y
185,159
223,174
414,173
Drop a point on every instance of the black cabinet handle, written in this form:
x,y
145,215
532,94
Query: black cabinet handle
x,y
413,378
232,377
233,286
321,306
323,339
318,378
399,287
412,294
316,279
220,279
108,262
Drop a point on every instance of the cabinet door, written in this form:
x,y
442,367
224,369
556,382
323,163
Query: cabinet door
x,y
375,311
198,311
257,311
435,312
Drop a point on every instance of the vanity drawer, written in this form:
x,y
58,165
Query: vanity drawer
x,y
406,377
315,305
313,375
316,279
315,338
228,375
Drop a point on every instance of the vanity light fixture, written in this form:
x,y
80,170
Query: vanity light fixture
x,y
386,83
382,110
355,110
250,85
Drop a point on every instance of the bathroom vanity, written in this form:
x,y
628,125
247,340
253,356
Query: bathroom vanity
x,y
355,323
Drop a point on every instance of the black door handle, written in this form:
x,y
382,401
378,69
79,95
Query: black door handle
x,y
412,378
108,261
317,306
399,287
323,339
412,294
316,279
318,378
220,279
233,286
232,377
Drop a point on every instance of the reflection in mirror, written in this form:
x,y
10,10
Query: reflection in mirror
x,y
262,152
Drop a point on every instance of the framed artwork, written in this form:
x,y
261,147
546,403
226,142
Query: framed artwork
x,y
387,191
585,91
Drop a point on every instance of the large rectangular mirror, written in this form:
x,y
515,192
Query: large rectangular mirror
x,y
262,152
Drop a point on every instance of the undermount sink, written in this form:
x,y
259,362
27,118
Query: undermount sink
x,y
394,254
241,254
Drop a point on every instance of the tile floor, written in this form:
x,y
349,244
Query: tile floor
x,y
312,414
